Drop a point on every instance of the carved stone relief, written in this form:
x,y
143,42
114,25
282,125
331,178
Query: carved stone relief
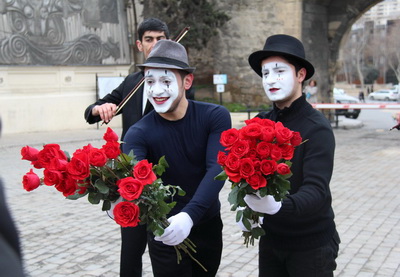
x,y
62,32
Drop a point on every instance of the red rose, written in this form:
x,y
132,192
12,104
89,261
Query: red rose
x,y
283,169
85,149
263,149
287,151
130,188
233,176
253,131
78,167
126,214
30,181
52,177
296,139
221,158
240,148
232,162
276,153
252,154
267,167
112,149
257,181
229,137
50,152
267,123
68,186
143,171
97,157
110,135
29,153
254,120
268,134
246,168
283,134
58,164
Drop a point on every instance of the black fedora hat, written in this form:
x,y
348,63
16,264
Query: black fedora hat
x,y
281,45
168,54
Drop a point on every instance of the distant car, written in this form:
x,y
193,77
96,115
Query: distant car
x,y
384,94
341,97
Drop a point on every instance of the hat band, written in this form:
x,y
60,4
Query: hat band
x,y
164,60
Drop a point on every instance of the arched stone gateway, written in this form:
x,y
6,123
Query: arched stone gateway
x,y
320,24
325,26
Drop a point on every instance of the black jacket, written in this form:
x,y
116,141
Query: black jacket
x,y
306,219
10,252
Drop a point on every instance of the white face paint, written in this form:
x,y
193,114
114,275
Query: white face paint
x,y
161,88
278,79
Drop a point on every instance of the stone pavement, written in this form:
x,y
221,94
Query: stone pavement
x,y
74,238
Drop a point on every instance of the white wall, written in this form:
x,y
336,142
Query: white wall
x,y
50,98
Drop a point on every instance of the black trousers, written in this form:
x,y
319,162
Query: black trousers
x,y
133,245
208,240
319,262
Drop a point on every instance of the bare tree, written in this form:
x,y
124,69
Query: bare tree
x,y
392,51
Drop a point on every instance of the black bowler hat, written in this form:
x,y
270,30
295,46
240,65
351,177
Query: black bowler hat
x,y
285,46
168,54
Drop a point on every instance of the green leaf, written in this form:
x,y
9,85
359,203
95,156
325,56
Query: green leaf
x,y
222,176
101,186
94,198
233,195
246,223
106,205
239,215
257,232
159,169
76,196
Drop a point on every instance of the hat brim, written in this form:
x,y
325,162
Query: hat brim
x,y
257,57
166,66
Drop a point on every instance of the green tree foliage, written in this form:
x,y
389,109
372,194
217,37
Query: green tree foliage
x,y
202,16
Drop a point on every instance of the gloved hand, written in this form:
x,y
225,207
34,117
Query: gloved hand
x,y
266,204
178,229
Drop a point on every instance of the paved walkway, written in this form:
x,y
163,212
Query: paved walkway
x,y
73,238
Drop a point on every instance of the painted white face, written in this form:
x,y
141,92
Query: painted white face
x,y
278,79
161,88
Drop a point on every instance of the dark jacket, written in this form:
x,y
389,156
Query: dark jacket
x,y
10,252
306,219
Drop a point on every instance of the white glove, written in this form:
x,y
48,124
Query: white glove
x,y
266,204
178,229
110,212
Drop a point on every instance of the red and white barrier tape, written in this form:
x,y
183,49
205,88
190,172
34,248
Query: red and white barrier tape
x,y
355,106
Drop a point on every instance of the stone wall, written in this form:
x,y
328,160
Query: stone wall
x,y
251,23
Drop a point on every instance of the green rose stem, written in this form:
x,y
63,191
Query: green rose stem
x,y
186,246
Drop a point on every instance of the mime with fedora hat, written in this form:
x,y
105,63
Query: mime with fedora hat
x,y
187,133
301,237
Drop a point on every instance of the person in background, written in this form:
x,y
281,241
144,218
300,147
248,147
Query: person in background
x,y
361,97
187,133
301,237
311,92
10,251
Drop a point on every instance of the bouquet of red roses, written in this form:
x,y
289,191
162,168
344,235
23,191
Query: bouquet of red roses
x,y
256,161
105,174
